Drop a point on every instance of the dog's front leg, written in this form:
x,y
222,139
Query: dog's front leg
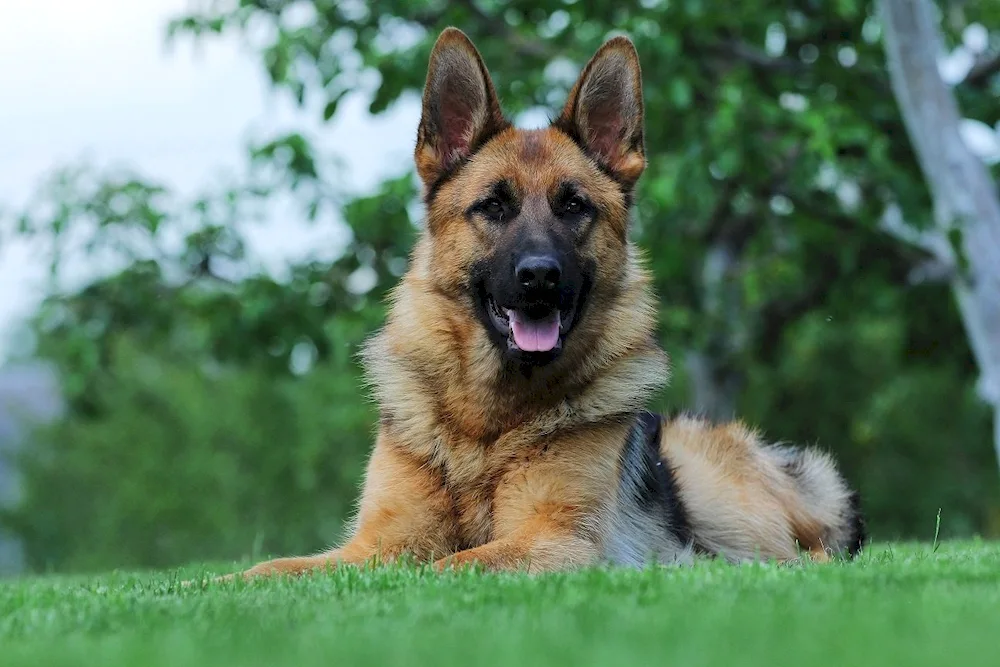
x,y
404,510
532,556
540,546
547,512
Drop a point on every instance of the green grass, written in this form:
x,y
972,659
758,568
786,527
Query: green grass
x,y
899,605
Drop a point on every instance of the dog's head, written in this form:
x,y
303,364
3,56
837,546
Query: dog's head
x,y
530,227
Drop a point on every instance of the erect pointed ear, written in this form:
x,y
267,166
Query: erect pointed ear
x,y
604,111
460,112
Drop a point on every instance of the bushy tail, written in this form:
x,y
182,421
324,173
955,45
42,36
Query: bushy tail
x,y
829,510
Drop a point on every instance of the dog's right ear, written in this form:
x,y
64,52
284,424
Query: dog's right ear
x,y
604,111
460,111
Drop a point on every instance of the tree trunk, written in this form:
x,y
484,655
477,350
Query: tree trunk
x,y
965,197
715,380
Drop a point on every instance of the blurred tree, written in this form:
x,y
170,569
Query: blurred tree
x,y
775,148
966,235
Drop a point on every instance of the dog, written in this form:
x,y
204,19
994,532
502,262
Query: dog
x,y
519,352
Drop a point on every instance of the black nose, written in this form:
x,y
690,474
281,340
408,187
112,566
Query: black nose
x,y
538,272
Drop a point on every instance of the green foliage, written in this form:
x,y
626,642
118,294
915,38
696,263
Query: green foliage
x,y
774,147
282,454
207,415
902,605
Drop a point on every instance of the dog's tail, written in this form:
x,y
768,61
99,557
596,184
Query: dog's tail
x,y
828,514
746,498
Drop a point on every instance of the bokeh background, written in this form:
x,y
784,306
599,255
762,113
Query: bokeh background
x,y
203,205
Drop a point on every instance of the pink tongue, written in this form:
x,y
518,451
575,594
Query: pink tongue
x,y
535,335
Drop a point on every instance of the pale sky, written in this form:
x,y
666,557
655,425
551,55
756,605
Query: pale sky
x,y
95,79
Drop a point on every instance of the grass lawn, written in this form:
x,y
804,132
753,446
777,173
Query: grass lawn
x,y
899,605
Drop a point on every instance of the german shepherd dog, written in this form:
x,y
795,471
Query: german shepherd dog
x,y
519,353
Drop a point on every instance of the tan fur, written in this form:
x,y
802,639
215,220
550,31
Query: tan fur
x,y
475,464
741,502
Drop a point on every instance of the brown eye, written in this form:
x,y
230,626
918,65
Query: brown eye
x,y
493,207
574,206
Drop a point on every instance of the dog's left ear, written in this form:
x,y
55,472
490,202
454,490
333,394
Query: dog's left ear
x,y
604,112
460,107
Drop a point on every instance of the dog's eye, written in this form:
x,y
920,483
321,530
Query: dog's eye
x,y
492,207
575,205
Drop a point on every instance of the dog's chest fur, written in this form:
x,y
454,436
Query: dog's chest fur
x,y
471,473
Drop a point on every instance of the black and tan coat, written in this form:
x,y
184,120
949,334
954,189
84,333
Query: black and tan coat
x,y
519,355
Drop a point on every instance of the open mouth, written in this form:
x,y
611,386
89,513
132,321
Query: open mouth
x,y
533,329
